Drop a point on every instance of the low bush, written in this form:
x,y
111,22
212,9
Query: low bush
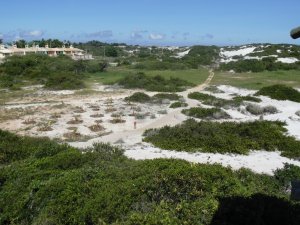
x,y
178,105
171,96
48,183
226,137
206,113
247,98
54,72
214,101
280,92
138,97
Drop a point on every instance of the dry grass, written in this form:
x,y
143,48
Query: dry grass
x,y
29,121
97,115
75,120
96,128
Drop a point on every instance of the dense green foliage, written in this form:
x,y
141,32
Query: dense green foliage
x,y
55,184
160,65
157,98
171,96
201,55
55,72
280,92
206,113
138,97
156,83
214,101
255,66
247,98
226,137
178,105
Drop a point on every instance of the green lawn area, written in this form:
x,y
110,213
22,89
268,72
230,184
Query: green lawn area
x,y
196,76
258,80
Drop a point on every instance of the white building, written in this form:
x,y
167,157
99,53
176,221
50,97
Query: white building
x,y
74,53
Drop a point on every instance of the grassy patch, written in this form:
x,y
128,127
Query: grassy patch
x,y
227,137
205,113
113,75
156,83
280,92
257,80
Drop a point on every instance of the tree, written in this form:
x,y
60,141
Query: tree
x,y
21,43
1,41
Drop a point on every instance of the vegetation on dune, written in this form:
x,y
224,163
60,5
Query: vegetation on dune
x,y
57,184
55,72
201,55
156,83
255,65
217,102
158,98
138,97
226,137
247,98
280,92
178,105
170,96
206,113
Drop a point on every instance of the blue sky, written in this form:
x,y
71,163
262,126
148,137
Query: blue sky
x,y
157,22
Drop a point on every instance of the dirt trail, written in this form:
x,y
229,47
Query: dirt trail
x,y
134,136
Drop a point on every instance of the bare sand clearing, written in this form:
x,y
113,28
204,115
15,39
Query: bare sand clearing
x,y
67,116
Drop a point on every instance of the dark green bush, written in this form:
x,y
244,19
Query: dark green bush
x,y
206,113
178,105
280,92
138,97
55,72
226,137
56,184
214,101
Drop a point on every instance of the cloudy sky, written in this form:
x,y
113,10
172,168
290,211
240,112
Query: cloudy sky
x,y
151,22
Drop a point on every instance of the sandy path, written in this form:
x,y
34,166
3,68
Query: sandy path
x,y
134,136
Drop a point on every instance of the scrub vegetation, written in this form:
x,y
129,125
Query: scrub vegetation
x,y
226,137
280,92
156,83
54,72
44,182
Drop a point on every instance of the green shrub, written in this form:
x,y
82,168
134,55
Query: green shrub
x,y
156,83
63,81
280,92
247,98
138,97
214,101
171,96
55,72
62,185
226,137
178,105
206,113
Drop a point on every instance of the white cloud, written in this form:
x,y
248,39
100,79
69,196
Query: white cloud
x,y
156,36
100,34
35,33
138,34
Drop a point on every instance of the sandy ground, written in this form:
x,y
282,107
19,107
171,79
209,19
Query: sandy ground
x,y
34,114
